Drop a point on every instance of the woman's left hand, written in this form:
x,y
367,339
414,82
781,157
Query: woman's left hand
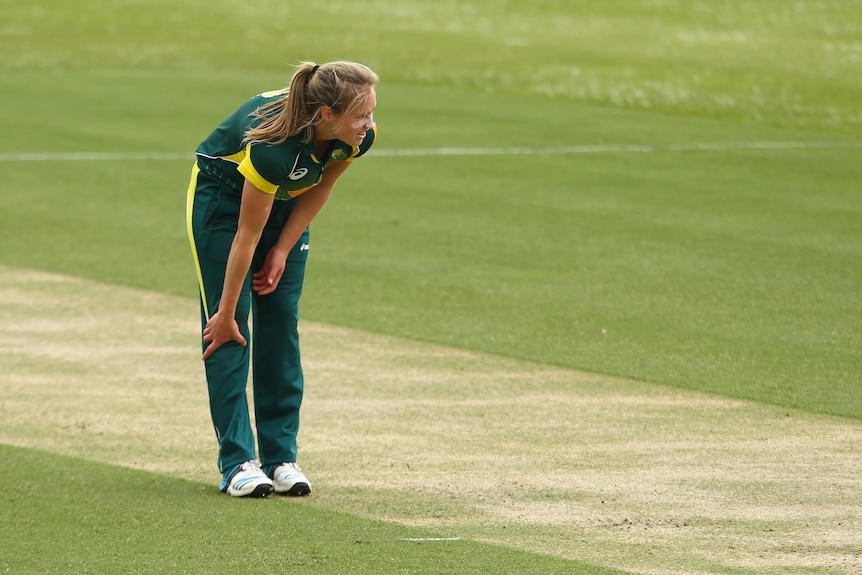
x,y
266,280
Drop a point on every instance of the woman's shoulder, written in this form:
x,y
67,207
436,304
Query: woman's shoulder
x,y
272,94
284,152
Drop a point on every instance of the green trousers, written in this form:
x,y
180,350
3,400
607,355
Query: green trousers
x,y
273,340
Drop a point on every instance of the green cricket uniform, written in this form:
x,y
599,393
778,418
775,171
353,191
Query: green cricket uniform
x,y
285,170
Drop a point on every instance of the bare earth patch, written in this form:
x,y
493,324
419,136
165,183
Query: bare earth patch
x,y
610,471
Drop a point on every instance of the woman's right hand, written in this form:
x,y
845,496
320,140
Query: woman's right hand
x,y
218,331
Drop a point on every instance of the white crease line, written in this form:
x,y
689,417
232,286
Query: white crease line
x,y
390,152
430,539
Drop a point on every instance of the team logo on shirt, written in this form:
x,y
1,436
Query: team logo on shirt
x,y
338,154
298,174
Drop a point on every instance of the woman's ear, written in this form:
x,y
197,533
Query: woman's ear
x,y
326,113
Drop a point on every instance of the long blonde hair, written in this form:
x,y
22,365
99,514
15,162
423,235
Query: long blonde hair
x,y
340,85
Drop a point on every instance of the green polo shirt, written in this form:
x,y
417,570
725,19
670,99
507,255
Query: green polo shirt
x,y
286,169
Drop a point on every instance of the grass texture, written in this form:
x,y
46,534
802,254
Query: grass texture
x,y
730,271
106,519
607,471
703,230
770,61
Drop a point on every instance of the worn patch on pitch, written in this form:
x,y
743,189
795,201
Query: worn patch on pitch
x,y
610,471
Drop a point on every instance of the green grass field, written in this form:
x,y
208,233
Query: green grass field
x,y
173,526
642,195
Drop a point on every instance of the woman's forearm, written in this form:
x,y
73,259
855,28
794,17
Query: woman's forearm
x,y
255,208
307,206
238,264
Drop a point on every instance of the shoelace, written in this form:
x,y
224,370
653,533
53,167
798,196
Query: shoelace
x,y
251,465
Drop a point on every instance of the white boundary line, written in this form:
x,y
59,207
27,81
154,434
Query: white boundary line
x,y
616,148
92,157
558,150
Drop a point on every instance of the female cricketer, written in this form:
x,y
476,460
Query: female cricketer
x,y
259,179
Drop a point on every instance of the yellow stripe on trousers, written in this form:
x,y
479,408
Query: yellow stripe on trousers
x,y
190,203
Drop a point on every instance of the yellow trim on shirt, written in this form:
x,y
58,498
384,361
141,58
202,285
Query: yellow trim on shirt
x,y
247,169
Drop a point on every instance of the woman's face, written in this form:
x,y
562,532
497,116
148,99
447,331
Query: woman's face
x,y
351,126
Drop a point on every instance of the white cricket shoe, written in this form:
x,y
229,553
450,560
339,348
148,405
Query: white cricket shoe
x,y
288,479
246,480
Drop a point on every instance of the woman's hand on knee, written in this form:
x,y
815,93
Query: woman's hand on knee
x,y
218,331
